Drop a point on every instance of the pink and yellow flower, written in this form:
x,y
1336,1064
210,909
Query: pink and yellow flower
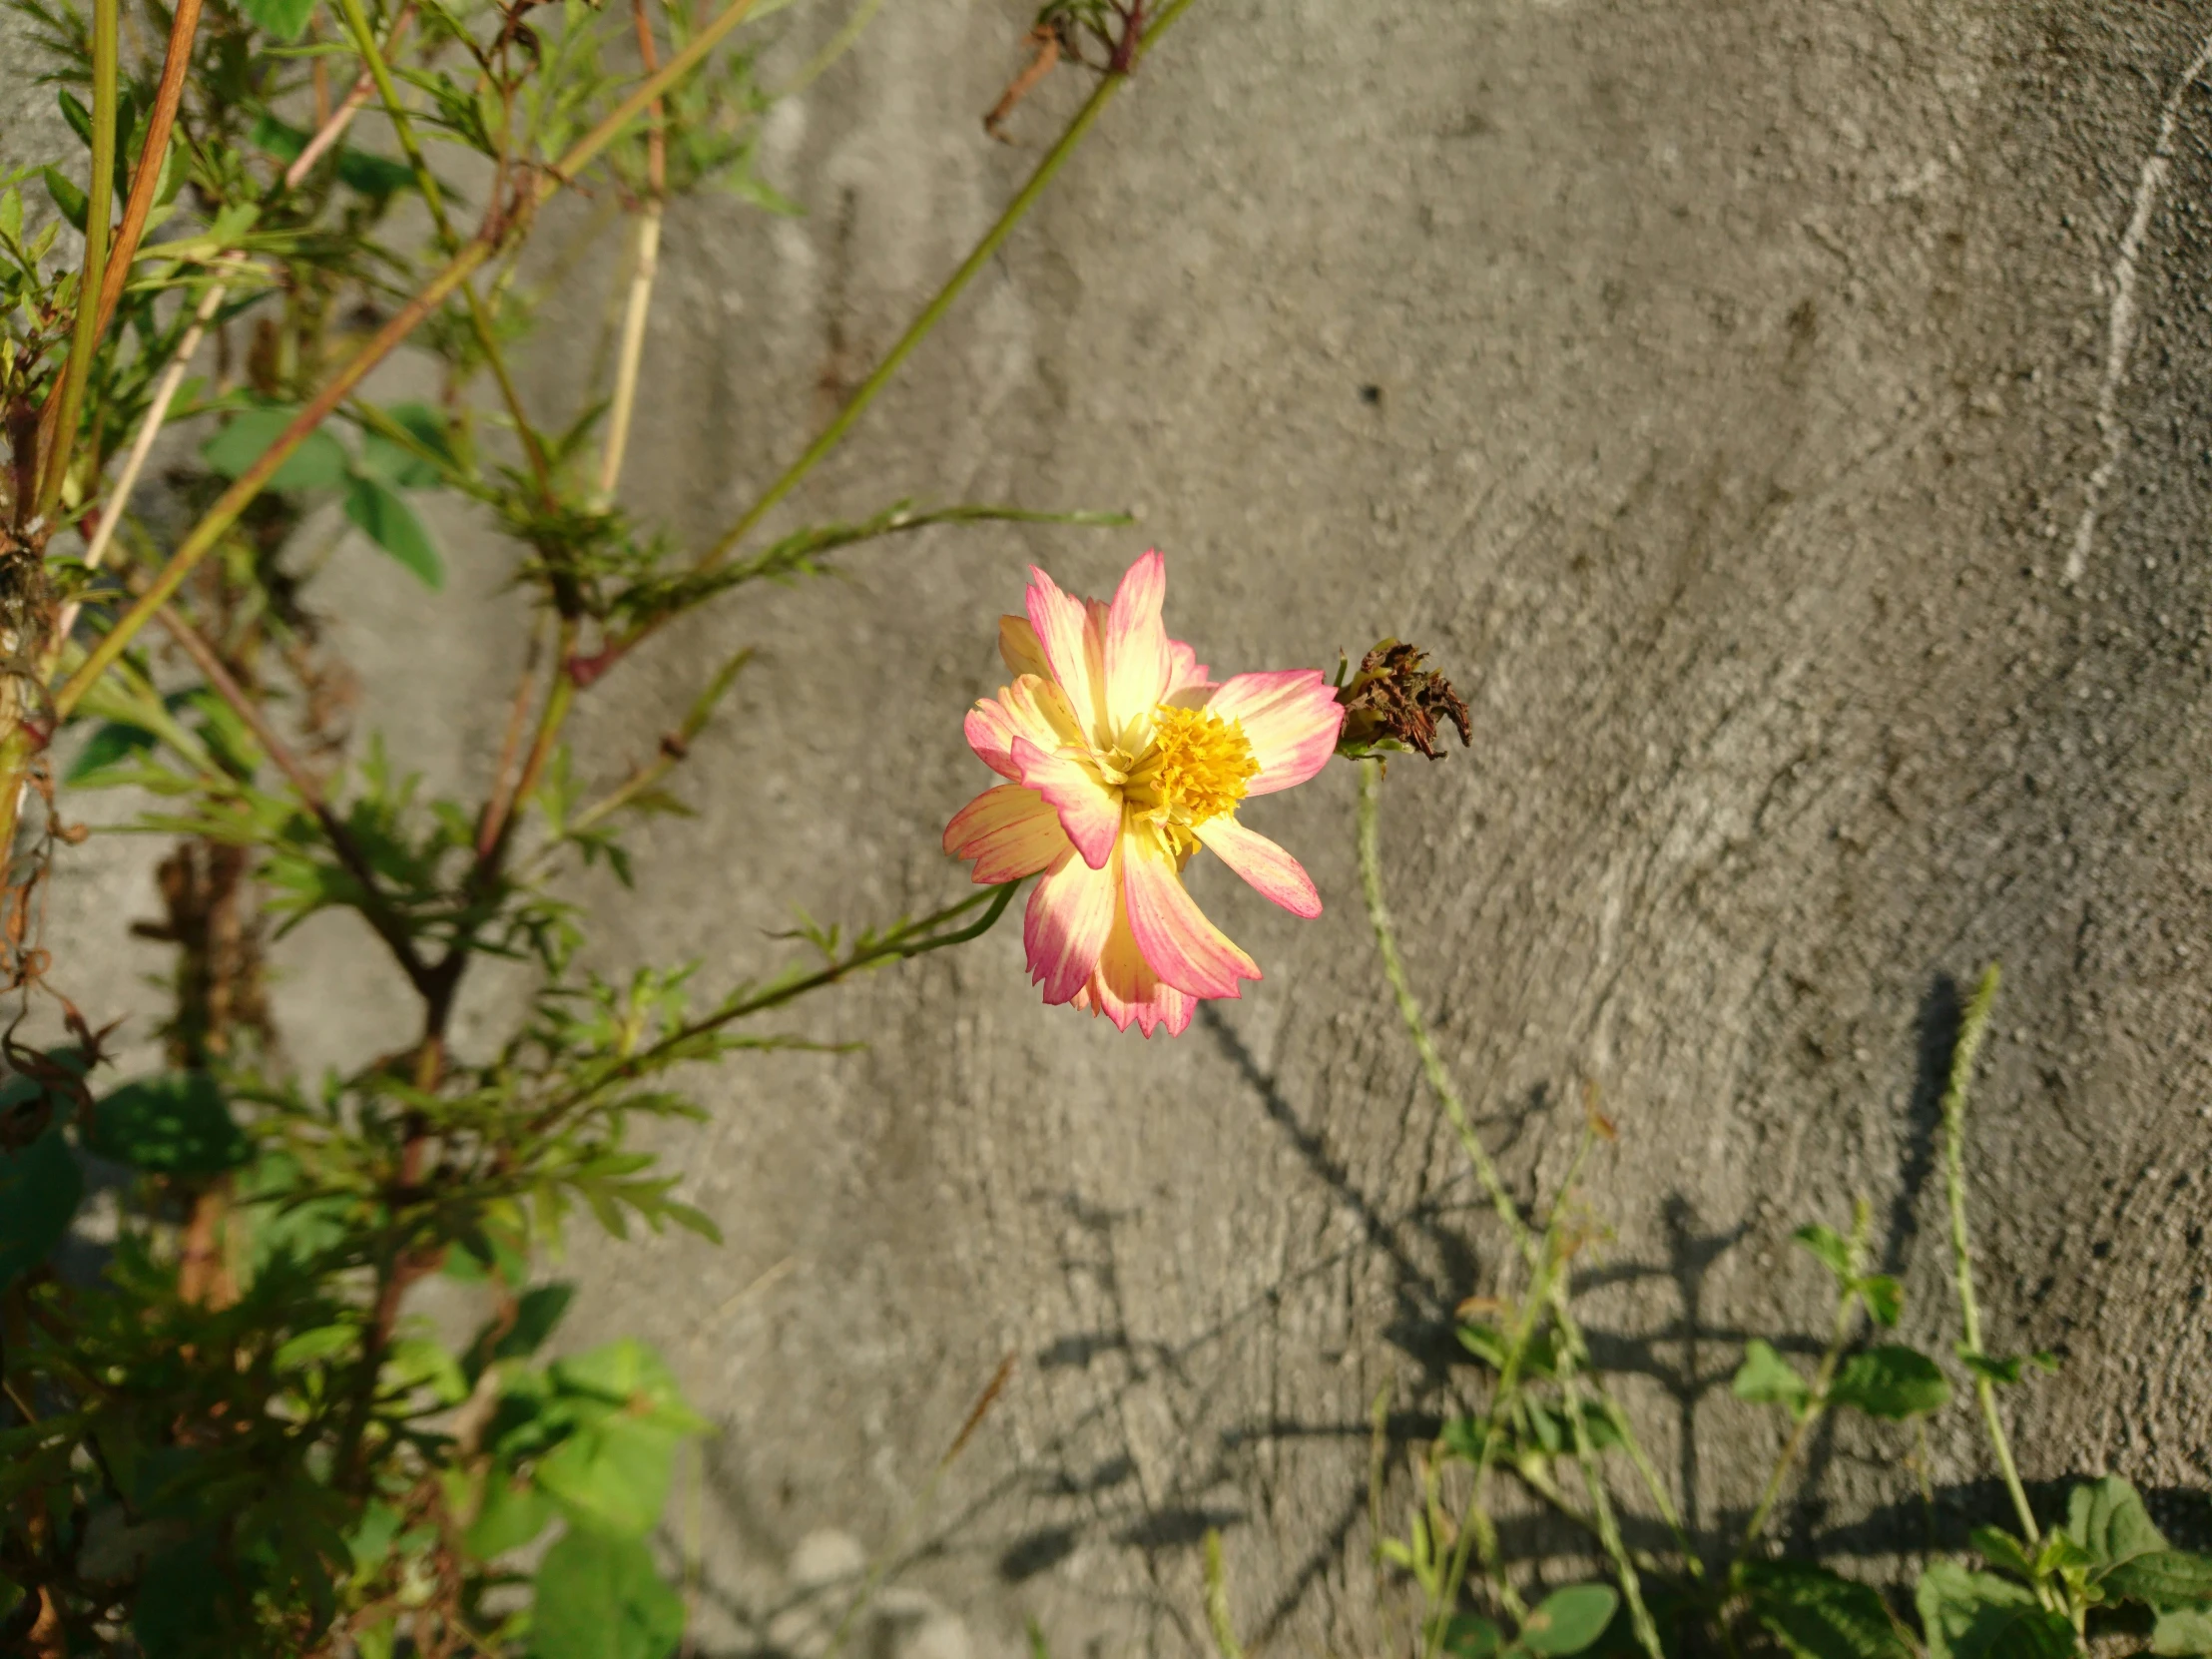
x,y
1125,759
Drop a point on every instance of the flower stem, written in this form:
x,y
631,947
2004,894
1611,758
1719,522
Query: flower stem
x,y
99,214
920,329
1971,1030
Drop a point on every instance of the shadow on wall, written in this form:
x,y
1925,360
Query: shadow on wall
x,y
1100,1500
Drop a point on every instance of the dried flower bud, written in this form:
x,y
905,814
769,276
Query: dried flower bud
x,y
1392,705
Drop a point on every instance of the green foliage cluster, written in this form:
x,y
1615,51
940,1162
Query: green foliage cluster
x,y
224,1431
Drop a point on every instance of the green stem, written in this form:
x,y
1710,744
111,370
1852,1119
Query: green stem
x,y
1816,1404
1601,1502
219,518
402,125
98,212
918,330
1971,1030
1416,1026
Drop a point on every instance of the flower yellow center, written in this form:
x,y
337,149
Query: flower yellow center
x,y
1196,769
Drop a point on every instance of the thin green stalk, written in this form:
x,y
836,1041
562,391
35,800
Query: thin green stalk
x,y
1475,1524
1601,1502
1816,1404
1416,1026
402,125
219,518
1971,1030
99,212
920,329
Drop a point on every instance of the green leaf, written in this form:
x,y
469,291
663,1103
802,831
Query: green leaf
x,y
176,1123
40,1188
110,744
1829,1246
11,229
319,1344
379,512
603,1598
628,1374
1816,1614
1766,1379
1884,1299
2182,1630
2005,1370
1976,1615
1891,1381
1569,1620
69,201
2107,1520
425,1363
373,175
2165,1578
78,117
395,462
2002,1550
285,19
318,463
512,1514
611,1475
1470,1636
537,1312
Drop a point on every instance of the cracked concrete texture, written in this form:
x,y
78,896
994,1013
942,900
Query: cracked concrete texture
x,y
1719,391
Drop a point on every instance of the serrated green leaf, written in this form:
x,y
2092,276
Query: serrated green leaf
x,y
174,1123
1827,1246
40,1188
2004,1551
1891,1381
1766,1379
1976,1615
603,1598
379,513
318,463
2182,1630
1816,1614
1569,1620
2164,1578
2107,1520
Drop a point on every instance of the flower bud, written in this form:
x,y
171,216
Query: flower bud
x,y
1392,705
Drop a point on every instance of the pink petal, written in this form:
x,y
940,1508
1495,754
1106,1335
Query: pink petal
x,y
1070,913
1123,986
1031,708
1290,716
1185,672
1071,645
1089,811
1184,948
1018,648
1137,662
1008,832
1259,861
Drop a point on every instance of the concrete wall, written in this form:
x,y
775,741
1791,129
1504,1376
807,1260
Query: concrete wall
x,y
1784,417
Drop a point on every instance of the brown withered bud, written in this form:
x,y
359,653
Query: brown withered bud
x,y
1393,704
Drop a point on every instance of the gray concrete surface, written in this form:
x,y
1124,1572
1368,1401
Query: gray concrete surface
x,y
1788,424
